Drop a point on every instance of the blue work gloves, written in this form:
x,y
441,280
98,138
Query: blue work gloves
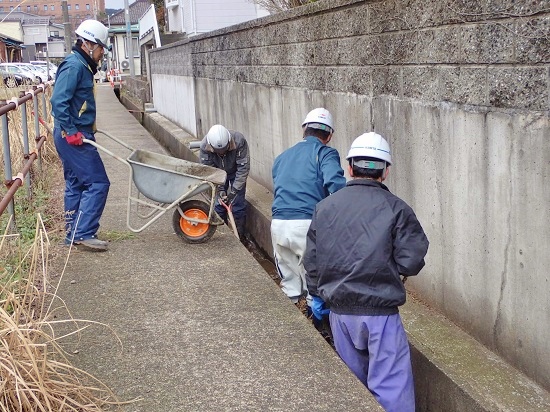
x,y
318,307
231,196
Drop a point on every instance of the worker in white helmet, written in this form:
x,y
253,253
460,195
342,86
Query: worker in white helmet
x,y
74,111
228,150
360,242
303,175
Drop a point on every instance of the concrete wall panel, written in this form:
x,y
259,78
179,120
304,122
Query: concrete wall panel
x,y
174,97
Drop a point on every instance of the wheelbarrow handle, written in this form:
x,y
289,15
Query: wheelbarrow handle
x,y
116,139
103,149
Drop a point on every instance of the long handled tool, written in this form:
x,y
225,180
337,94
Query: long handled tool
x,y
230,217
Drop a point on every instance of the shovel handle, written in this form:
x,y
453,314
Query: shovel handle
x,y
230,217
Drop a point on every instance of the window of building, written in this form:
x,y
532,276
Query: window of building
x,y
28,8
45,7
77,6
68,7
11,8
52,7
135,47
1,9
54,34
18,8
35,7
87,7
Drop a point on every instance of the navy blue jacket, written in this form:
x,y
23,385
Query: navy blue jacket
x,y
303,175
361,239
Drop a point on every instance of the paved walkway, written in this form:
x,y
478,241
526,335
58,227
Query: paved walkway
x,y
202,327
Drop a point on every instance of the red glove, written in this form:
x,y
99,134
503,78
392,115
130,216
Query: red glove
x,y
75,139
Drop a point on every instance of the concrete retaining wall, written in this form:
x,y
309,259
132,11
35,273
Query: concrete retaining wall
x,y
460,89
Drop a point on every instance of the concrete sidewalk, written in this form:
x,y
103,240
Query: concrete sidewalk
x,y
202,327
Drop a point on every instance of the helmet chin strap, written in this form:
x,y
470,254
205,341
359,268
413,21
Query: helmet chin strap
x,y
91,51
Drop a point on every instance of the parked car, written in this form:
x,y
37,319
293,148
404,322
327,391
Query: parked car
x,y
38,71
12,79
29,77
39,75
44,64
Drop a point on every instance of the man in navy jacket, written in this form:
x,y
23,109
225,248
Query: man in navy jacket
x,y
361,241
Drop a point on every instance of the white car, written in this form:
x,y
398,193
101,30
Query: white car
x,y
44,65
14,68
39,75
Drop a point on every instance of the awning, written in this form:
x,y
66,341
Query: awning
x,y
11,43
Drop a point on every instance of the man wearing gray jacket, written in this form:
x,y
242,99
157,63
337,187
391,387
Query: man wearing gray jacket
x,y
228,150
362,239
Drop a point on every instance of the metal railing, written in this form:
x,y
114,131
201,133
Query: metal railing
x,y
14,182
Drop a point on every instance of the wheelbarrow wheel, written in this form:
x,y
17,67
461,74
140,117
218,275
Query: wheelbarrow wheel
x,y
189,231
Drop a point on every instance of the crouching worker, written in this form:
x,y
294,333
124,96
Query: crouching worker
x,y
228,150
362,239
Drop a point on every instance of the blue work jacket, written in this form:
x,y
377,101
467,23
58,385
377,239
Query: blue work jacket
x,y
303,175
73,100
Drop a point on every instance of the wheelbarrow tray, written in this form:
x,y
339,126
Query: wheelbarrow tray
x,y
165,179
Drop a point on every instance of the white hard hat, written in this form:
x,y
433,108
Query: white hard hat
x,y
370,145
218,137
93,31
318,119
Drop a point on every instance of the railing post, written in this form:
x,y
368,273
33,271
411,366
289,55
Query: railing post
x,y
26,150
44,106
7,161
36,123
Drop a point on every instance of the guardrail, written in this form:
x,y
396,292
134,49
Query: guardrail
x,y
14,182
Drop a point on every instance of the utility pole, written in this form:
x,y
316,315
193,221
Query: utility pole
x,y
129,38
67,27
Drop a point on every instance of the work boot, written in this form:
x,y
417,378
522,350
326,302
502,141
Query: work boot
x,y
92,243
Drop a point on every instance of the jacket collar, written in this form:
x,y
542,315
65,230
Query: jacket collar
x,y
91,64
367,182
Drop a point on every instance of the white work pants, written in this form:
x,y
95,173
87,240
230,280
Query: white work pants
x,y
289,245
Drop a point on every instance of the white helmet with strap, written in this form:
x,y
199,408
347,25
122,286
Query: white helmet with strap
x,y
93,31
319,118
218,137
373,146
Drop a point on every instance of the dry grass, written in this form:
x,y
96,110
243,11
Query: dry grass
x,y
15,128
35,372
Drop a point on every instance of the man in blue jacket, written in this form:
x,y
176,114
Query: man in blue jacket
x,y
303,175
74,111
360,242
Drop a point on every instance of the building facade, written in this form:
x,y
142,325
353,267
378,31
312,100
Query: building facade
x,y
78,10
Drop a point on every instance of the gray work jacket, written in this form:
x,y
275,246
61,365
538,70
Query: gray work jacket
x,y
236,161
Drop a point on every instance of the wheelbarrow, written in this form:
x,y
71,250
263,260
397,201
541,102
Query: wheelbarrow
x,y
169,183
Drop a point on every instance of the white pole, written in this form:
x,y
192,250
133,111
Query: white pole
x,y
129,38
